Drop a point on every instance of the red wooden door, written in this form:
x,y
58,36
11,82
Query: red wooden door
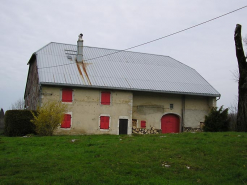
x,y
170,123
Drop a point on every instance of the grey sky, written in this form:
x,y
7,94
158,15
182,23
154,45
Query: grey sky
x,y
28,25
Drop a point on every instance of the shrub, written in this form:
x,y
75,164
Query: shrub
x,y
17,123
216,120
49,117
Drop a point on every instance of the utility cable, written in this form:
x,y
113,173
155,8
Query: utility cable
x,y
118,51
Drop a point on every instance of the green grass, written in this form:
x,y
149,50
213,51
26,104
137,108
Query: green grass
x,y
212,158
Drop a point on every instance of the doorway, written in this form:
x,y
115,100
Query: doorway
x,y
170,123
123,126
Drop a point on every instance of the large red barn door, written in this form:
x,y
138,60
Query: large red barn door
x,y
170,123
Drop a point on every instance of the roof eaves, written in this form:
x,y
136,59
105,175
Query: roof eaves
x,y
129,89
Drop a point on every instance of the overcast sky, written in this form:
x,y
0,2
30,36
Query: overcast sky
x,y
28,25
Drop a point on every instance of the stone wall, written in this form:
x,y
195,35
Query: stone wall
x,y
86,110
152,130
190,129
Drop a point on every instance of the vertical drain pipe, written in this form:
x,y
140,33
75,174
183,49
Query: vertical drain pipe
x,y
183,112
39,98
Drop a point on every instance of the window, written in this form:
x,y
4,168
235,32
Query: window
x,y
104,122
66,121
143,124
67,95
105,98
171,106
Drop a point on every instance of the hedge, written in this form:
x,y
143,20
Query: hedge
x,y
17,123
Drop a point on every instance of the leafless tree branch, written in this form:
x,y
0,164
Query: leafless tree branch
x,y
19,105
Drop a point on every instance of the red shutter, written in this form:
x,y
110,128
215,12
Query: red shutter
x,y
67,95
66,121
104,122
143,124
105,98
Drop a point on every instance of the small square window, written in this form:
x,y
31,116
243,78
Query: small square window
x,y
143,124
171,106
66,121
105,98
67,95
104,122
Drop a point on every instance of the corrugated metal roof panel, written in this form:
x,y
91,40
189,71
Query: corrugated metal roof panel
x,y
122,70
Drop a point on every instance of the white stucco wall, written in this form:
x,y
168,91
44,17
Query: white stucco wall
x,y
150,107
87,109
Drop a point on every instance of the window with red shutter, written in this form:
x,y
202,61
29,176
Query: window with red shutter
x,y
67,95
66,121
105,98
143,124
104,122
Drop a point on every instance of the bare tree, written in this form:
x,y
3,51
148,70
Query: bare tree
x,y
232,115
19,105
235,75
242,82
245,43
235,72
245,40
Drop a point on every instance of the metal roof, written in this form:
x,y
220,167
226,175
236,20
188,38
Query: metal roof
x,y
123,70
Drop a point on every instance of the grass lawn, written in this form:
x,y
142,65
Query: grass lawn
x,y
186,158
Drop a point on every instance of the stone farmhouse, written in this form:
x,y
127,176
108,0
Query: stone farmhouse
x,y
110,91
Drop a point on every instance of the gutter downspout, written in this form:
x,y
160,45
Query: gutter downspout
x,y
40,96
183,113
218,98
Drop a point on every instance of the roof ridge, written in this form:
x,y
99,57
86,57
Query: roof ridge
x,y
106,49
43,47
181,63
117,51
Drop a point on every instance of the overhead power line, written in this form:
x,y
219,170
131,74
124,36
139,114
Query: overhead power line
x,y
157,38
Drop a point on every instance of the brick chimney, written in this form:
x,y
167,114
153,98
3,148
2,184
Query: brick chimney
x,y
79,55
